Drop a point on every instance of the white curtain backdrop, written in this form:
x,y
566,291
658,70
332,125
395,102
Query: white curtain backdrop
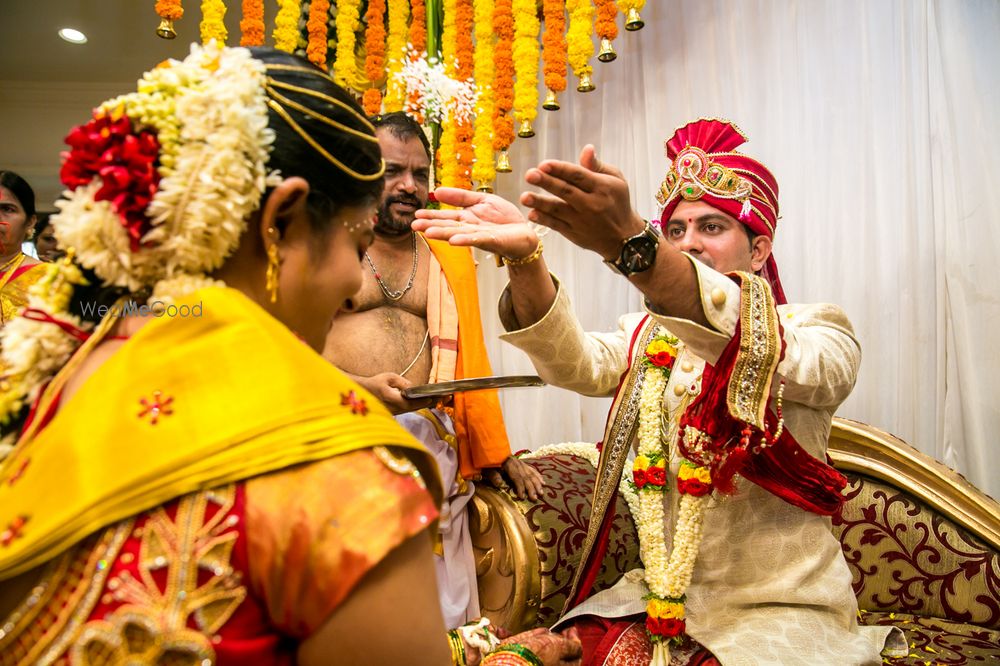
x,y
879,119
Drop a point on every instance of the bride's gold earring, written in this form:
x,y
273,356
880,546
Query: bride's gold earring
x,y
273,267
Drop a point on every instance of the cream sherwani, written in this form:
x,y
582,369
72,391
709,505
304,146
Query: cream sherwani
x,y
770,585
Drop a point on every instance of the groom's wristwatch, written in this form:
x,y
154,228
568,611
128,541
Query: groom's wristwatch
x,y
638,252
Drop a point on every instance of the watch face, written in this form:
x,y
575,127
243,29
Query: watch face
x,y
638,254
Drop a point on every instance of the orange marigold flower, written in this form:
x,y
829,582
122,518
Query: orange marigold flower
x,y
554,45
169,9
418,26
316,26
252,23
605,25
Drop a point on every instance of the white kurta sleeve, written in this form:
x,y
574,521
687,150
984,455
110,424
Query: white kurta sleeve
x,y
563,353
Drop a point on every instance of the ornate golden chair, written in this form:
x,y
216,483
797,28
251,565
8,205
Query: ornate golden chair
x,y
922,542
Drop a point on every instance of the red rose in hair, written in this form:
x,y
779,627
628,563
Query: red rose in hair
x,y
639,477
124,160
657,476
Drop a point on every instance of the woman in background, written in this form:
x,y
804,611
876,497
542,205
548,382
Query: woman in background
x,y
18,271
46,245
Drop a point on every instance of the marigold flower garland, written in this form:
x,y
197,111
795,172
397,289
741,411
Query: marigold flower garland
x,y
286,25
418,27
666,576
252,23
169,9
554,45
605,25
348,13
399,11
375,55
212,26
526,28
465,71
455,155
447,155
579,47
483,169
316,28
503,76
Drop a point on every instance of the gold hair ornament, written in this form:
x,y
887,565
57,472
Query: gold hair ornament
x,y
271,84
321,150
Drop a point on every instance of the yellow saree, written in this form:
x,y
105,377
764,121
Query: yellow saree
x,y
189,403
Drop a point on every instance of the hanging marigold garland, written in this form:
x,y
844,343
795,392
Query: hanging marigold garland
x,y
399,11
212,25
579,46
554,45
605,25
418,27
348,13
170,10
447,156
526,28
465,71
286,25
503,76
319,12
483,169
252,23
375,54
417,49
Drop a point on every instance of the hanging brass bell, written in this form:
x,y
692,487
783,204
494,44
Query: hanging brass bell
x,y
585,85
484,187
503,162
633,21
607,53
166,29
551,103
526,131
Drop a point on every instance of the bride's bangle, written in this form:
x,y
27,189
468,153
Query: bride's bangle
x,y
502,260
511,654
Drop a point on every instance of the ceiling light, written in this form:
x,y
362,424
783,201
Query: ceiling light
x,y
73,36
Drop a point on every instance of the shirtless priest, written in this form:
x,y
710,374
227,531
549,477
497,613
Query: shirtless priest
x,y
416,321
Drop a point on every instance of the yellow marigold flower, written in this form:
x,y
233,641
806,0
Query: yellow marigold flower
x,y
702,474
663,608
641,462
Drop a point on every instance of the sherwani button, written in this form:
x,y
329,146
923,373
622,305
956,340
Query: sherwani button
x,y
718,297
679,389
686,366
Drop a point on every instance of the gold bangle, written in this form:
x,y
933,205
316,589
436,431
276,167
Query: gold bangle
x,y
502,260
457,648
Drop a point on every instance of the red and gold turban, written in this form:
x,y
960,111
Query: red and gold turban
x,y
703,165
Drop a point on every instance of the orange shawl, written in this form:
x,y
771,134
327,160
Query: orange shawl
x,y
479,426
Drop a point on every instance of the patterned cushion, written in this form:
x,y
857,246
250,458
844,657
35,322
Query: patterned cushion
x,y
909,559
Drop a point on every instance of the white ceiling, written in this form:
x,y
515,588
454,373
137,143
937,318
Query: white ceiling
x,y
48,85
